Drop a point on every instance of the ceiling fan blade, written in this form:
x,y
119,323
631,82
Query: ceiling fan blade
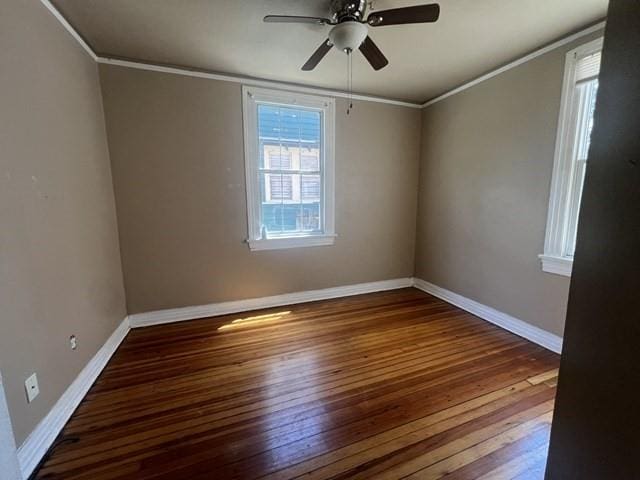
x,y
402,16
295,19
317,56
373,54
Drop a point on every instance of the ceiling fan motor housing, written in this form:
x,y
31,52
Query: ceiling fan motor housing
x,y
348,36
348,10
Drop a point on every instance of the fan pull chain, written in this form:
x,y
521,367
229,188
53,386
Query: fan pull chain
x,y
350,80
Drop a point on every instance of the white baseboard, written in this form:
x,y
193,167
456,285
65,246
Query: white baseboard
x,y
536,335
224,308
31,452
514,325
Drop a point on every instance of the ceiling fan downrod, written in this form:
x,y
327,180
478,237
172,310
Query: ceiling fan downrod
x,y
350,79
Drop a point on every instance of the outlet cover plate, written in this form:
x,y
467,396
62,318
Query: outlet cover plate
x,y
31,385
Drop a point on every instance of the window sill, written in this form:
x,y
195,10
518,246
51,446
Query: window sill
x,y
291,242
556,265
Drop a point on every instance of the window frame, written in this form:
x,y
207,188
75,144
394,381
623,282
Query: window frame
x,y
251,98
554,259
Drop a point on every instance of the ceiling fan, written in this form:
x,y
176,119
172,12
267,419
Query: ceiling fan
x,y
350,28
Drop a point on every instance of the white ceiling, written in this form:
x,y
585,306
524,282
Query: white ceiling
x,y
472,37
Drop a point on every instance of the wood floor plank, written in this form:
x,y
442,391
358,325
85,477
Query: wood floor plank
x,y
544,377
519,450
482,449
384,385
529,465
342,460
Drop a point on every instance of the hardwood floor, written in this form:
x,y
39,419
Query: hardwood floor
x,y
389,385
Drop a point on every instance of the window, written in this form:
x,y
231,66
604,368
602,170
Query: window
x,y
572,147
289,161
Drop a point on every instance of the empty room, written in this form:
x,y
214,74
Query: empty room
x,y
323,239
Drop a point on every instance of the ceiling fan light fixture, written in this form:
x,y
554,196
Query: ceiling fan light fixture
x,y
348,36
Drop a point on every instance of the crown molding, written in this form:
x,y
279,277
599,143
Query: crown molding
x,y
251,81
69,28
552,46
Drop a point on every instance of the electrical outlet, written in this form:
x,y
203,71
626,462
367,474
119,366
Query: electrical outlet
x,y
73,342
31,385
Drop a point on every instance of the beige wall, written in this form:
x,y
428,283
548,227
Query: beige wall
x,y
486,162
59,261
178,168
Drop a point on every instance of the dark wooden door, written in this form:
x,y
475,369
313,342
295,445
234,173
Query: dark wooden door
x,y
596,427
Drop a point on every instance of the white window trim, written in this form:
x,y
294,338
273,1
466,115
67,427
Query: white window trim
x,y
554,259
250,97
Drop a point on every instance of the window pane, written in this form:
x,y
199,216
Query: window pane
x,y
575,208
281,187
310,161
279,160
310,188
586,93
290,142
309,220
280,218
588,67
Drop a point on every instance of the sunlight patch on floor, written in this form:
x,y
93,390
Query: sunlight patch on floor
x,y
255,320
